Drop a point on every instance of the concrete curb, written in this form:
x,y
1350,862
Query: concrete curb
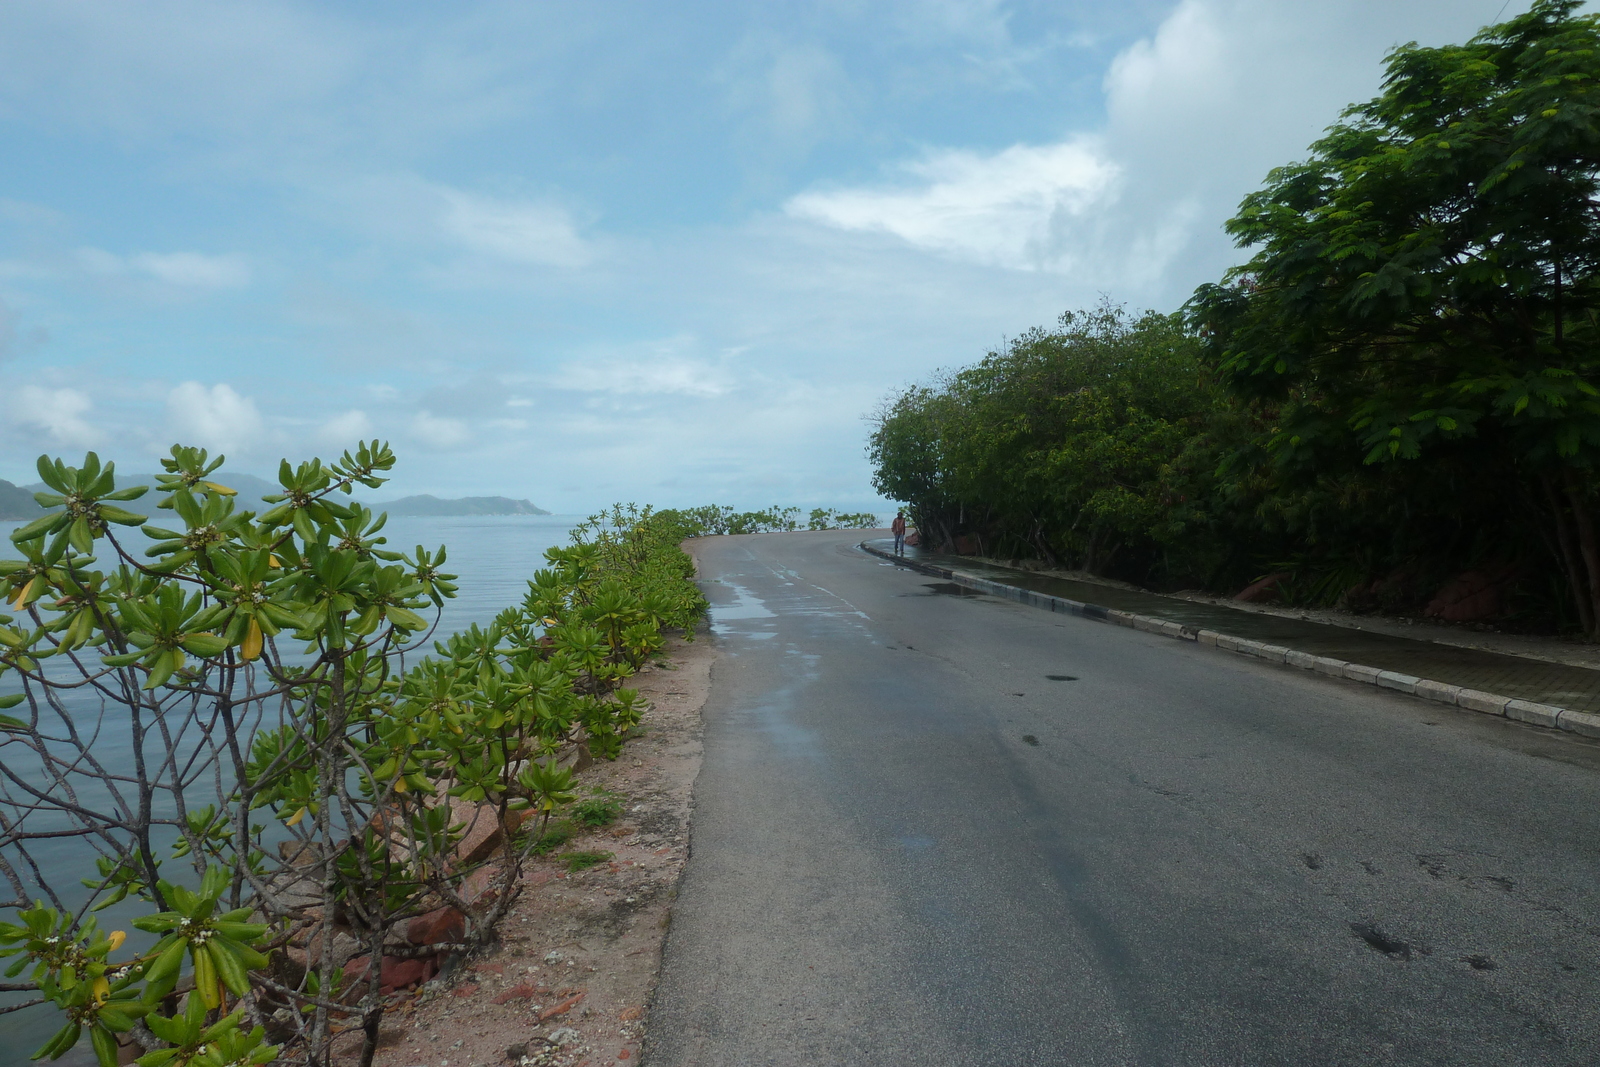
x,y
1548,715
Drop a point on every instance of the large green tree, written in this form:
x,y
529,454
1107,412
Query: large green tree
x,y
1426,285
1058,446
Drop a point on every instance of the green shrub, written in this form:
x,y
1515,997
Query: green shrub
x,y
602,809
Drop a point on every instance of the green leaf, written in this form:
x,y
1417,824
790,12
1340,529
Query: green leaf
x,y
51,476
121,517
36,528
161,668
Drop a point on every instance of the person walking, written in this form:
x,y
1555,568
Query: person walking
x,y
898,528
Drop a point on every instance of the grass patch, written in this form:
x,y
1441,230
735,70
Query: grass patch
x,y
602,809
582,861
558,833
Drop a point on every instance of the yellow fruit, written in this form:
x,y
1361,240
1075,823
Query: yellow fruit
x,y
252,641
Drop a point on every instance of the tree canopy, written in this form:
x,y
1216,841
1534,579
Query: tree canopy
x,y
1430,276
1403,378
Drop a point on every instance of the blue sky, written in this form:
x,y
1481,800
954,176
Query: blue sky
x,y
671,253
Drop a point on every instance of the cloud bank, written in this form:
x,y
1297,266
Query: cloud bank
x,y
577,254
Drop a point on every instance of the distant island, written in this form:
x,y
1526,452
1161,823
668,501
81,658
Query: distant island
x,y
16,502
467,505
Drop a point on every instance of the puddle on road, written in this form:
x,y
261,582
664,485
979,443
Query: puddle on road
x,y
746,605
949,589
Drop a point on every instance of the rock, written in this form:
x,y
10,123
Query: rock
x,y
561,1008
1472,595
464,990
966,545
555,955
520,992
1264,589
394,972
305,947
913,539
436,927
577,759
483,831
517,1051
477,887
299,853
630,1014
563,1037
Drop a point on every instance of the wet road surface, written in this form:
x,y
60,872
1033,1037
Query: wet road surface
x,y
949,829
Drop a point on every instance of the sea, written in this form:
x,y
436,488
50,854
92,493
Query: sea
x,y
493,556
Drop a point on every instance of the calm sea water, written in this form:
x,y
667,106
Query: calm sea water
x,y
493,557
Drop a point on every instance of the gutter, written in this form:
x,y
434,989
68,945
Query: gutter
x,y
1583,723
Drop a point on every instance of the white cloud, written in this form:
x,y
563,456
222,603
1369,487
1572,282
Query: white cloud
x,y
1196,113
343,431
518,231
788,96
187,270
195,270
57,412
439,431
99,261
217,418
1183,67
1012,208
664,375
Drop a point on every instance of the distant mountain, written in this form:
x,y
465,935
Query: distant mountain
x,y
467,505
16,502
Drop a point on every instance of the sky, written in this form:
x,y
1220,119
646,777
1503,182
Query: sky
x,y
584,253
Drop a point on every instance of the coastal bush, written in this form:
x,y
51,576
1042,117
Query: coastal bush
x,y
710,519
713,519
295,786
829,519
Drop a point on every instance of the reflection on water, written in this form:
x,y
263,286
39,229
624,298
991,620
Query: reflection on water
x,y
493,557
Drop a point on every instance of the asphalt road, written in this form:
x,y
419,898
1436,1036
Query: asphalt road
x,y
943,829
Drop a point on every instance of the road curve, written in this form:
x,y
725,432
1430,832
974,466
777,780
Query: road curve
x,y
948,829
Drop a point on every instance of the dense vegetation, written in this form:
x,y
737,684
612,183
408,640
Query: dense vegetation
x,y
712,519
1399,386
270,776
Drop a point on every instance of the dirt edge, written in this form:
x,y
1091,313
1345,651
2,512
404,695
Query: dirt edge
x,y
572,979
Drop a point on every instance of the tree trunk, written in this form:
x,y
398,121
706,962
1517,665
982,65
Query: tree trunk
x,y
1587,543
1576,574
1041,544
